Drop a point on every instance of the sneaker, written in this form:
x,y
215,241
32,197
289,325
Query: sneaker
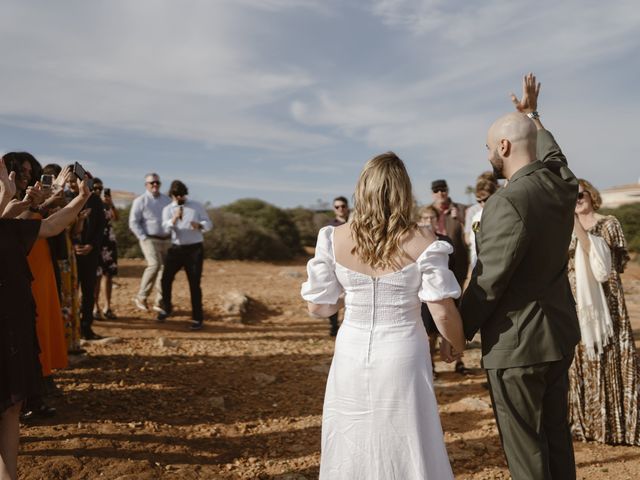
x,y
141,304
195,325
157,308
162,316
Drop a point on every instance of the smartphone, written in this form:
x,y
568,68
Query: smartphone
x,y
46,181
79,171
107,192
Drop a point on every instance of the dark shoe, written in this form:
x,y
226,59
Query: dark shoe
x,y
162,316
461,369
97,315
91,335
109,314
195,326
43,411
77,351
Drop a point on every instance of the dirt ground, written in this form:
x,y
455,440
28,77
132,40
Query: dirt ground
x,y
241,401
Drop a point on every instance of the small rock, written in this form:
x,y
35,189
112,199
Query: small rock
x,y
324,368
217,402
107,341
474,403
235,303
167,342
263,378
290,274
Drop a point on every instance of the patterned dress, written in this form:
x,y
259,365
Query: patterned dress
x,y
69,299
604,394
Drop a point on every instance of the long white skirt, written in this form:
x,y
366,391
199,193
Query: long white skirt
x,y
380,419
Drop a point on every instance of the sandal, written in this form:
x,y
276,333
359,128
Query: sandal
x,y
109,314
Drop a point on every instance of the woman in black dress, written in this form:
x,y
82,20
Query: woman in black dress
x,y
19,365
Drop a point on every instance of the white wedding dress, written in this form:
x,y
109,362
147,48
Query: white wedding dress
x,y
380,418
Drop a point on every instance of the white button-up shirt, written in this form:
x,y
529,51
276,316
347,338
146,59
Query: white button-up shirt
x,y
182,232
145,217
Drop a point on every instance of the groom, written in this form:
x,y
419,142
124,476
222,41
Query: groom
x,y
519,295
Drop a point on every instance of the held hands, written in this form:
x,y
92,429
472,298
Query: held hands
x,y
447,353
530,92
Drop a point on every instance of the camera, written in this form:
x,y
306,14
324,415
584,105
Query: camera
x,y
107,192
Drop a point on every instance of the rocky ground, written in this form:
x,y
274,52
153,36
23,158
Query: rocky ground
x,y
241,400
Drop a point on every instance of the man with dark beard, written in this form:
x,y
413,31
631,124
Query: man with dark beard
x,y
519,294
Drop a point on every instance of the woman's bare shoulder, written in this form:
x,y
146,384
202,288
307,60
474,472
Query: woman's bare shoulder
x,y
418,241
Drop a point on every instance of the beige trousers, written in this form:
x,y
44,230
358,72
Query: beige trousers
x,y
154,251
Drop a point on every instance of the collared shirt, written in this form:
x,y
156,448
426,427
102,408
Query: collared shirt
x,y
145,217
182,233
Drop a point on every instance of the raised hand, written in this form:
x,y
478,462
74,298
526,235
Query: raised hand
x,y
64,177
530,92
7,181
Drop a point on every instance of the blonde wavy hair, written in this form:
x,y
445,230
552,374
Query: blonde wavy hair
x,y
383,212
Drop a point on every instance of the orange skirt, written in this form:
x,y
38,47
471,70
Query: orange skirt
x,y
49,322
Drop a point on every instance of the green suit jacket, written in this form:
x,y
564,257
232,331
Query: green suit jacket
x,y
519,295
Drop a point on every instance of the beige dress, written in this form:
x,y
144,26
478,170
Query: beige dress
x,y
604,394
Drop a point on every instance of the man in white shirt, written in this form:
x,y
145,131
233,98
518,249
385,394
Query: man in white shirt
x,y
145,221
186,220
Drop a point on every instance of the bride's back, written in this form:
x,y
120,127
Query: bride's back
x,y
414,242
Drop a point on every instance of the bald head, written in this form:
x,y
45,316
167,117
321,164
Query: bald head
x,y
515,127
511,141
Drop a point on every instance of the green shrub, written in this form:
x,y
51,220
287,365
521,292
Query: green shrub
x,y
235,237
629,216
272,219
309,223
128,246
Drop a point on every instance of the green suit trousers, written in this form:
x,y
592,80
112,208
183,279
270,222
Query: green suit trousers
x,y
530,406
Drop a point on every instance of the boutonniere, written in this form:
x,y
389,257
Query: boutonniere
x,y
475,226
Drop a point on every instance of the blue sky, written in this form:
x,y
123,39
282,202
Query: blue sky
x,y
285,100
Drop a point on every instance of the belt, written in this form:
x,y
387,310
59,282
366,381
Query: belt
x,y
158,237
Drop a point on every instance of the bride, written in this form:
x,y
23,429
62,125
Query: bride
x,y
380,418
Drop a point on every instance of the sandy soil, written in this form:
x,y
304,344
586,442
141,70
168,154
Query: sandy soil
x,y
241,401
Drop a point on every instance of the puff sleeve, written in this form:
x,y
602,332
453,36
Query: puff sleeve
x,y
322,286
438,282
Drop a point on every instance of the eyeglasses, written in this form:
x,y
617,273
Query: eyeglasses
x,y
482,200
439,190
154,182
582,194
339,207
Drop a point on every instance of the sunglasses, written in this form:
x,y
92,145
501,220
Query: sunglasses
x,y
339,207
582,194
439,190
482,200
155,182
98,187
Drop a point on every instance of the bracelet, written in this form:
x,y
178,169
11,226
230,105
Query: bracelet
x,y
34,209
533,115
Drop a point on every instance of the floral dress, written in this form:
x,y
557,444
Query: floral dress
x,y
108,264
604,394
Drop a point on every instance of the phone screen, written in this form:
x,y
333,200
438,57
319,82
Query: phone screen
x,y
46,180
79,171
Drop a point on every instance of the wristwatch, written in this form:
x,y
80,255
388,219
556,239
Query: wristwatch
x,y
533,115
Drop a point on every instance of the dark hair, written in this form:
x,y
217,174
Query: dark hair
x,y
16,159
341,199
97,180
178,188
51,169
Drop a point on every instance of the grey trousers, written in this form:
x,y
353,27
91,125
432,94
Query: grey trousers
x,y
155,252
531,408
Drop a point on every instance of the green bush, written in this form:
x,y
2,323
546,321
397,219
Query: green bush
x,y
128,246
309,223
272,219
235,237
629,216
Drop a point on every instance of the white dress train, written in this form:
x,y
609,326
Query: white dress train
x,y
380,418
